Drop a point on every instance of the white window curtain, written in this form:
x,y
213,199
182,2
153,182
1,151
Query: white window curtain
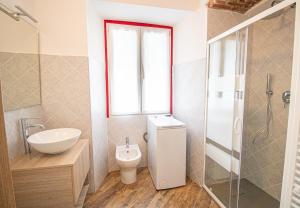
x,y
139,70
156,70
124,69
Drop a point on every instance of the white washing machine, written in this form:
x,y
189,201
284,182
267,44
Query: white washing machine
x,y
166,151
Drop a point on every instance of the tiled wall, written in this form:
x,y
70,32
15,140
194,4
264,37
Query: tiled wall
x,y
95,25
12,128
218,21
65,79
65,101
65,92
99,120
21,89
189,91
120,127
66,96
270,51
20,78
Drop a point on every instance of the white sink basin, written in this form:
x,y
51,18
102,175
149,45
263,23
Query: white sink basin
x,y
54,141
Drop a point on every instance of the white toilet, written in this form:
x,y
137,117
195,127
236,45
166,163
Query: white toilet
x,y
128,157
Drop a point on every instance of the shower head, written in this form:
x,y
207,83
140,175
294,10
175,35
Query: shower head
x,y
280,12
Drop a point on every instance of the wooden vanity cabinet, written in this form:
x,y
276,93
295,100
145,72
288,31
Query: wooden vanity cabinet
x,y
42,180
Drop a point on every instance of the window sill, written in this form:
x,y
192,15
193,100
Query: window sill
x,y
138,114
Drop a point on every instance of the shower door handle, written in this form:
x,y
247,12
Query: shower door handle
x,y
237,125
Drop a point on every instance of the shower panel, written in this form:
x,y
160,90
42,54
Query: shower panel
x,y
226,82
249,76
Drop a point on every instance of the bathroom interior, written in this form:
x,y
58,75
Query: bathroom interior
x,y
150,103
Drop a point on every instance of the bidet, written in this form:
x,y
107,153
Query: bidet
x,y
128,157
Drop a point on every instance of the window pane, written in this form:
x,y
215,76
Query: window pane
x,y
124,70
156,70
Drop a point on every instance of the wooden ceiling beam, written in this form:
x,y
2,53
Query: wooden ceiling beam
x,y
240,6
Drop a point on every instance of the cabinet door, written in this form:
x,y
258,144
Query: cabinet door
x,y
80,170
47,187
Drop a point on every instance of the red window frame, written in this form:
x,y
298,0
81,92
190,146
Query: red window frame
x,y
106,56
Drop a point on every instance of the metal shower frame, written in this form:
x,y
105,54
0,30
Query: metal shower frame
x,y
294,109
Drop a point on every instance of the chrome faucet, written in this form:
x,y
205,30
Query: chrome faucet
x,y
127,142
25,126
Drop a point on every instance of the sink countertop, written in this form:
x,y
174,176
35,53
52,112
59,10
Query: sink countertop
x,y
37,160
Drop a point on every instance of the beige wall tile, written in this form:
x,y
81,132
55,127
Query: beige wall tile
x,y
65,93
12,127
120,127
189,93
269,52
20,78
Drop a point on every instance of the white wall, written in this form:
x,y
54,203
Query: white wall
x,y
175,4
97,92
28,5
18,36
134,127
190,36
140,13
189,86
62,25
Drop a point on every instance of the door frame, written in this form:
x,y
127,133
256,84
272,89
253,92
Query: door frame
x,y
7,196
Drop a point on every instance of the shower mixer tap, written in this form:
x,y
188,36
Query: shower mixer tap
x,y
286,98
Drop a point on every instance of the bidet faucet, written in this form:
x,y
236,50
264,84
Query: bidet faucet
x,y
127,142
25,126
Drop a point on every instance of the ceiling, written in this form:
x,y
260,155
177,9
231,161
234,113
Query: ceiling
x,y
147,14
172,4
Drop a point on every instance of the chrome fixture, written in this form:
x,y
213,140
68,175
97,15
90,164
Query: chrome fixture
x,y
286,98
16,15
25,126
145,137
127,142
22,12
269,88
269,115
275,2
280,12
265,130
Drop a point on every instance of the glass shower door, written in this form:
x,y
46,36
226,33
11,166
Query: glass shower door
x,y
239,103
223,122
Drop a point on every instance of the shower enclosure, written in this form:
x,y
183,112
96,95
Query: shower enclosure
x,y
248,95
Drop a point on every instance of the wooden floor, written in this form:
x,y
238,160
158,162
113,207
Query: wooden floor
x,y
142,194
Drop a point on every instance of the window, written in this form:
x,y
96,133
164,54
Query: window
x,y
124,70
138,65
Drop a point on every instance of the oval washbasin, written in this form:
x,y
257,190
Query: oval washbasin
x,y
54,141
